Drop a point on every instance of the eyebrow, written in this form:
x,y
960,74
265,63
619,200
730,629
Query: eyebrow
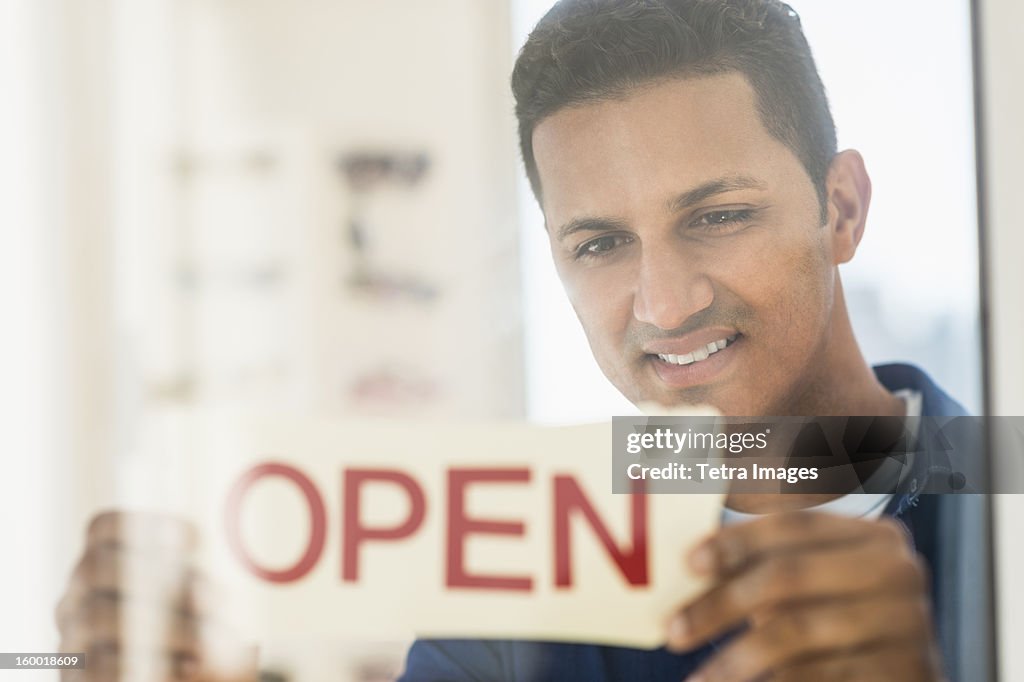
x,y
685,200
709,189
590,225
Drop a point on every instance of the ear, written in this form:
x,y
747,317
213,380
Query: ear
x,y
848,190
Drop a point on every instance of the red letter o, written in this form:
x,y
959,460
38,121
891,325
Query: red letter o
x,y
317,516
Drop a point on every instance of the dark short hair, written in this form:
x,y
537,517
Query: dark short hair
x,y
589,50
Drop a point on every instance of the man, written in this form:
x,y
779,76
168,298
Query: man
x,y
685,160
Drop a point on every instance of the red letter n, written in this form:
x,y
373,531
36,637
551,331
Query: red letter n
x,y
632,563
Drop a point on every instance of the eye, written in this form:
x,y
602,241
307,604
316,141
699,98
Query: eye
x,y
601,246
714,221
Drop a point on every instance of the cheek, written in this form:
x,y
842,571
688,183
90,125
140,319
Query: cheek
x,y
783,290
602,304
791,294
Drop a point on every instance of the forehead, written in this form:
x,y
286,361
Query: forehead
x,y
654,142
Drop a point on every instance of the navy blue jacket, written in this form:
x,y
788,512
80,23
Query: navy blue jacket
x,y
522,661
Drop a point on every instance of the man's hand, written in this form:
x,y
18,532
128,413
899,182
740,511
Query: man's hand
x,y
138,610
819,597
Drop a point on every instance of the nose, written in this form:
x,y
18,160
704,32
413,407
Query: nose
x,y
670,288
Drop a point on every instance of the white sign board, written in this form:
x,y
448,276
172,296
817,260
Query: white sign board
x,y
389,530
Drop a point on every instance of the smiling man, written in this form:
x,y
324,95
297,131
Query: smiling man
x,y
698,255
698,211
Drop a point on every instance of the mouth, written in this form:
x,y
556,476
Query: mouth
x,y
698,365
699,354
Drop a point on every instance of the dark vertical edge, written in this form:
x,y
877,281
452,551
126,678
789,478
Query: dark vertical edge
x,y
987,597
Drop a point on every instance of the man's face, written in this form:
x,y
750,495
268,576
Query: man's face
x,y
690,243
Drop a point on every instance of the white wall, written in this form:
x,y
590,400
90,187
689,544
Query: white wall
x,y
31,473
301,83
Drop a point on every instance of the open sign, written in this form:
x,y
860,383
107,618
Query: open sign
x,y
496,530
631,557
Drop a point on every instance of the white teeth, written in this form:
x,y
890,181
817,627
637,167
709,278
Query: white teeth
x,y
700,354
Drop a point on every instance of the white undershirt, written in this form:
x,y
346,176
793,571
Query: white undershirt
x,y
858,505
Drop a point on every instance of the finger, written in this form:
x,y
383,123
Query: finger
x,y
812,630
216,623
110,664
779,579
139,575
889,662
111,622
111,661
166,540
111,569
154,643
733,547
143,530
